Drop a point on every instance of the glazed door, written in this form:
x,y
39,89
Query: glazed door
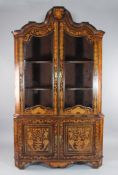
x,y
40,72
77,70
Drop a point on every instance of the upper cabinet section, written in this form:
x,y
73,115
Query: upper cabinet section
x,y
58,66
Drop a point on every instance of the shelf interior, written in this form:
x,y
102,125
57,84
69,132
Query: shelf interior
x,y
78,68
78,97
38,59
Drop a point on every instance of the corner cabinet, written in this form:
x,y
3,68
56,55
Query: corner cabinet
x,y
58,119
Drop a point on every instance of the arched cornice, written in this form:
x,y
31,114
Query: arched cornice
x,y
61,14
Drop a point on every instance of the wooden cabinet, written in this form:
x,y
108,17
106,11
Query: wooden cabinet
x,y
58,119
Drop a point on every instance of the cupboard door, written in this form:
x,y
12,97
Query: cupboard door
x,y
77,72
36,138
80,139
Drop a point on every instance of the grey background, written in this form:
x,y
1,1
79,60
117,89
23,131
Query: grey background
x,y
103,14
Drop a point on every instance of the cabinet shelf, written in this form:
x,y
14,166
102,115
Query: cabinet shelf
x,y
76,89
79,61
38,62
39,89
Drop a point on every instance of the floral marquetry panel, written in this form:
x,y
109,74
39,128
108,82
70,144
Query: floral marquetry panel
x,y
78,139
38,139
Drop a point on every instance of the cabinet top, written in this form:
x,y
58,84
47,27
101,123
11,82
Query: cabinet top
x,y
59,13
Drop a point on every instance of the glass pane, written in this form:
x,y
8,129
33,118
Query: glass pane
x,y
38,77
38,97
38,49
77,48
78,75
78,52
78,97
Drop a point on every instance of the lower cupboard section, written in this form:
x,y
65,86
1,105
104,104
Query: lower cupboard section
x,y
59,140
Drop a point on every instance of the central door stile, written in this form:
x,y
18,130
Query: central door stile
x,y
61,68
58,140
55,64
